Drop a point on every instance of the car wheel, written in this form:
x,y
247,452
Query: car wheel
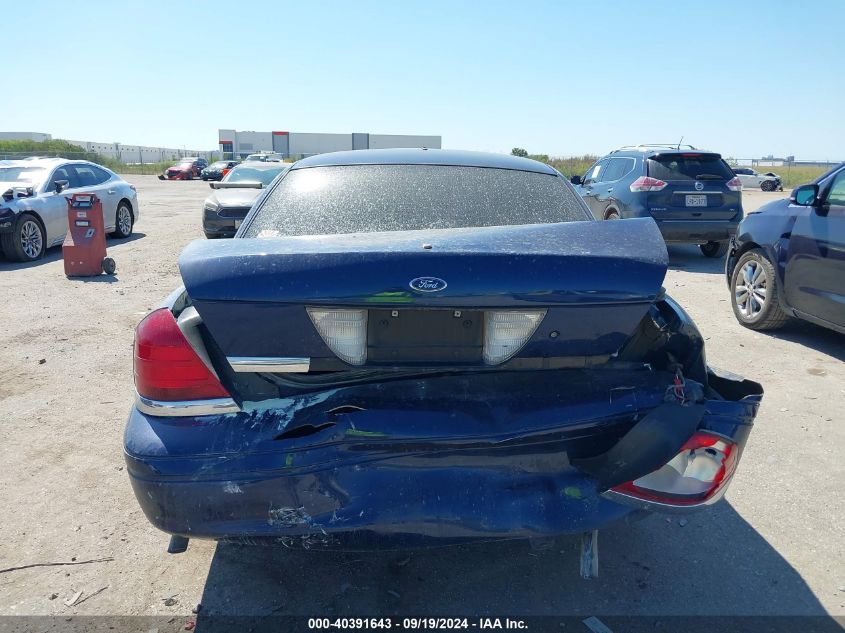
x,y
612,215
123,221
755,292
767,185
189,176
27,241
714,249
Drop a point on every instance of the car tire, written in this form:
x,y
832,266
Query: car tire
x,y
755,292
767,185
611,215
714,249
27,241
123,221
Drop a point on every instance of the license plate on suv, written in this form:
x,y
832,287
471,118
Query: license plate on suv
x,y
696,201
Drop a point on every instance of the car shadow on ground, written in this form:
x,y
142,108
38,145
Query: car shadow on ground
x,y
712,563
55,253
813,336
688,257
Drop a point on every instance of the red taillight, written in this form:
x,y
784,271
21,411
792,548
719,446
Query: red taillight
x,y
703,466
735,184
647,183
167,367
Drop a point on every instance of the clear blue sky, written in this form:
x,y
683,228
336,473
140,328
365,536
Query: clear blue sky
x,y
746,78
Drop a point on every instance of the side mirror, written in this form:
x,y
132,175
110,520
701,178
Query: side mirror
x,y
805,195
61,185
576,180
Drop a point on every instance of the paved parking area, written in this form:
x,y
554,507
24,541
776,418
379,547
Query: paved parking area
x,y
774,547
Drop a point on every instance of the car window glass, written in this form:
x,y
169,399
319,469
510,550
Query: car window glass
x,y
88,176
688,166
596,172
372,198
617,168
836,195
64,173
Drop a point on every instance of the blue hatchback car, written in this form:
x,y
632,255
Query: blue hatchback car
x,y
692,194
407,347
788,258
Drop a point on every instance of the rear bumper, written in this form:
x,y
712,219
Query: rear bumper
x,y
378,478
697,231
215,226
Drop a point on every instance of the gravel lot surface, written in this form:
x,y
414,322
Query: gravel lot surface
x,y
774,547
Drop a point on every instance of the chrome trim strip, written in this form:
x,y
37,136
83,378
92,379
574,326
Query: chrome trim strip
x,y
214,406
657,506
696,220
269,364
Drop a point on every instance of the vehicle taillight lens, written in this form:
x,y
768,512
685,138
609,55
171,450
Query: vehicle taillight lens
x,y
703,466
344,331
647,183
506,331
166,366
735,184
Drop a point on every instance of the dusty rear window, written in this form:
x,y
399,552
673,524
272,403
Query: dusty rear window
x,y
371,198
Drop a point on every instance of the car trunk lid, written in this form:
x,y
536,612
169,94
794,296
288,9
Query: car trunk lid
x,y
591,282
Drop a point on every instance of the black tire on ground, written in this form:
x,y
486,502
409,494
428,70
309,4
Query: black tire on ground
x,y
212,236
612,215
755,292
123,221
714,249
27,241
109,266
767,185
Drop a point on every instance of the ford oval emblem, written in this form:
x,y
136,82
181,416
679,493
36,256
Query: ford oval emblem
x,y
699,186
427,284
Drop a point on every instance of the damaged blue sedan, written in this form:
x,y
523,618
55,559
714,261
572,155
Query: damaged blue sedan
x,y
412,347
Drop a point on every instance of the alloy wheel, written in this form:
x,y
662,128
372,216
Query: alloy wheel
x,y
124,220
751,289
31,240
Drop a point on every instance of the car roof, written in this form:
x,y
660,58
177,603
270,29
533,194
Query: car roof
x,y
423,156
655,149
262,164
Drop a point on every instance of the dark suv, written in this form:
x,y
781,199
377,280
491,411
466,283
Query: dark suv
x,y
692,194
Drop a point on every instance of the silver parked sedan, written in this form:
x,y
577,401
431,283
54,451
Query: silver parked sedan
x,y
33,208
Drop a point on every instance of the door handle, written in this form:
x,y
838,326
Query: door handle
x,y
609,189
111,191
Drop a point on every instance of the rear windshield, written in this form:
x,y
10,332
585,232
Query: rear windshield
x,y
371,198
689,167
246,173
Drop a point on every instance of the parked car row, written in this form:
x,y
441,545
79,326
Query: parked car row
x,y
33,207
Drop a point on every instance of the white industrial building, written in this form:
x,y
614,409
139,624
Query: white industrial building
x,y
233,143
124,153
